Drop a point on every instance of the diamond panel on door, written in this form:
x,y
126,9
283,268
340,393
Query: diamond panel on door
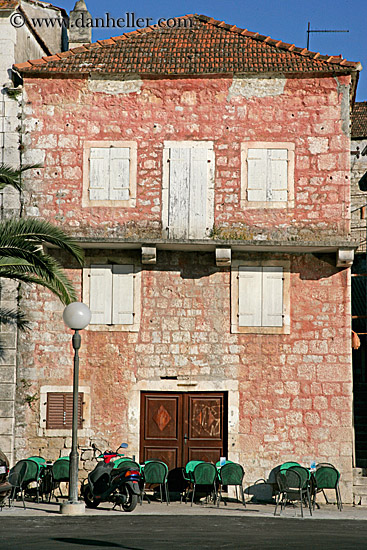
x,y
161,418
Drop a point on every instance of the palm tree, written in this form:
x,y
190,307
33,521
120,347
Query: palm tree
x,y
22,257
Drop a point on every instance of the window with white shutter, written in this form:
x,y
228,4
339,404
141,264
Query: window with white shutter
x,y
109,173
188,189
267,175
113,294
260,297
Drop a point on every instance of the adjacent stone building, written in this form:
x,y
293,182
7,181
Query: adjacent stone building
x,y
21,38
205,169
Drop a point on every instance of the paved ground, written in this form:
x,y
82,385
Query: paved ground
x,y
189,532
329,512
157,526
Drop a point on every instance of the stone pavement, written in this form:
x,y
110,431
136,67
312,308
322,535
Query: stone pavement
x,y
330,511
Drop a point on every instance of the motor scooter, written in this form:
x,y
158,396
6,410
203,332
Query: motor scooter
x,y
5,486
109,482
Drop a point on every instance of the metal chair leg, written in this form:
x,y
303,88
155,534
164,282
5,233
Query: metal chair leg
x,y
193,493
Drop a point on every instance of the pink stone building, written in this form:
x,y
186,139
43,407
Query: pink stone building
x,y
205,169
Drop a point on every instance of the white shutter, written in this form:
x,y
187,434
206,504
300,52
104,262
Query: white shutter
x,y
277,175
123,294
98,173
249,296
119,173
256,174
272,297
179,174
198,192
100,294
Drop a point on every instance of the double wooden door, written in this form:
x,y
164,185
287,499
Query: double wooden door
x,y
178,427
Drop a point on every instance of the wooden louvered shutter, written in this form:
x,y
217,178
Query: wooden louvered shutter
x,y
119,173
59,413
99,173
100,294
179,182
272,297
277,175
249,296
256,174
122,294
198,192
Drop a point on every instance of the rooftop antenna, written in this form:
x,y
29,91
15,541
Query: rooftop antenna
x,y
309,31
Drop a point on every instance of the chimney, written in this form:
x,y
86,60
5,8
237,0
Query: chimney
x,y
80,32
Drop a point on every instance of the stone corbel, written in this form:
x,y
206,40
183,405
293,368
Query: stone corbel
x,y
223,257
148,255
344,257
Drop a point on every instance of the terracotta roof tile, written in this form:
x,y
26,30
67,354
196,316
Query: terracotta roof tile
x,y
207,47
359,120
8,4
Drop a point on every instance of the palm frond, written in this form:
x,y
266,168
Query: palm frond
x,y
12,176
13,317
38,231
60,285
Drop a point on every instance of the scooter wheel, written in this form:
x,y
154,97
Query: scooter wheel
x,y
132,500
89,500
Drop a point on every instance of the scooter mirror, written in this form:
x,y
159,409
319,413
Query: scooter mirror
x,y
123,446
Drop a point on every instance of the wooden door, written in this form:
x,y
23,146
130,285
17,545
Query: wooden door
x,y
178,427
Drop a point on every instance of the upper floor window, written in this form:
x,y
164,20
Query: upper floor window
x,y
267,175
109,173
188,189
113,295
260,297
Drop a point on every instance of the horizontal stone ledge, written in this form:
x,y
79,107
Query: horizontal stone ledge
x,y
323,246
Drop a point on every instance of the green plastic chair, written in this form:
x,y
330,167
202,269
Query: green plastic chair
x,y
203,474
17,476
231,474
127,464
60,473
155,472
33,475
291,488
327,476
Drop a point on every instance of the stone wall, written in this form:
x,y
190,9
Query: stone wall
x,y
60,115
359,197
289,395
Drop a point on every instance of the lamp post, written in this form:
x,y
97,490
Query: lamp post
x,y
76,316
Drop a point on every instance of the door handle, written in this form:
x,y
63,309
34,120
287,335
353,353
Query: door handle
x,y
185,439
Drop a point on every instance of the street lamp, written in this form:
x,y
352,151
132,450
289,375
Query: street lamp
x,y
76,316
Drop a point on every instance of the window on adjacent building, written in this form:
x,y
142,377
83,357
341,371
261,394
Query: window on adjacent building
x,y
109,174
113,295
188,188
267,174
59,412
260,298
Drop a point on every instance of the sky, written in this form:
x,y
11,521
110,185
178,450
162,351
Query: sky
x,y
284,20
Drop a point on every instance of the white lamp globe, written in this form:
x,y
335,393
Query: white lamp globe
x,y
77,315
